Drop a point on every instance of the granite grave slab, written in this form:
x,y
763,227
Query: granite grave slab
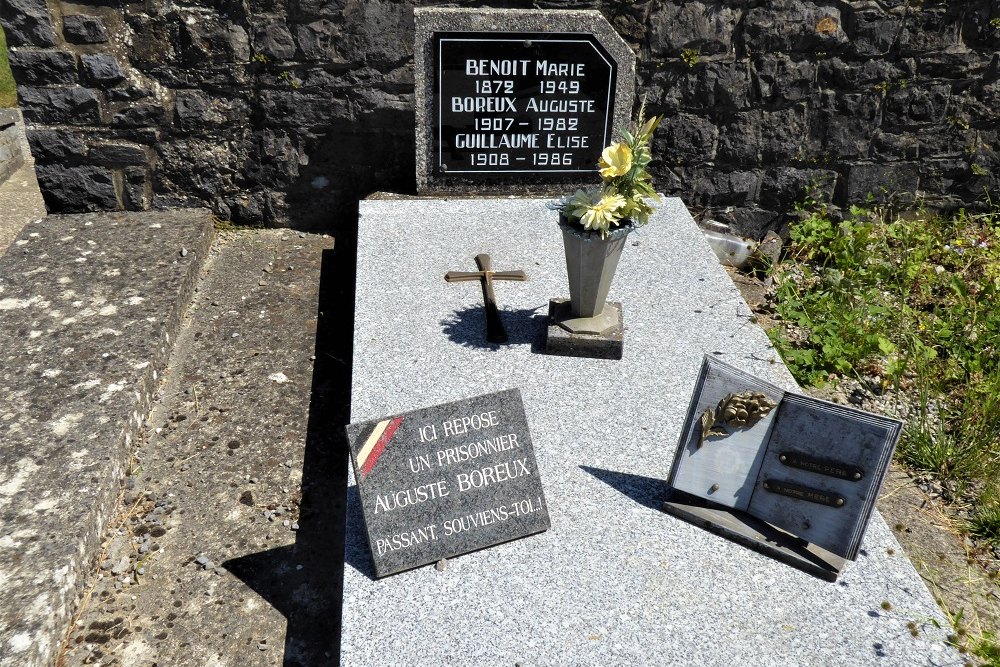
x,y
446,480
614,581
514,99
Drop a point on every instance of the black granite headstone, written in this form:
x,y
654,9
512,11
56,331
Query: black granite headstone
x,y
521,104
447,480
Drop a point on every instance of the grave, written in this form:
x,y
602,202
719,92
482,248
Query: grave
x,y
615,580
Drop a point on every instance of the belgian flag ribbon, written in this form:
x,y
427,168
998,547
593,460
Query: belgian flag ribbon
x,y
375,445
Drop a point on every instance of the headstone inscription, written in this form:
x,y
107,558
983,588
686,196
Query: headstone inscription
x,y
447,480
753,458
516,98
511,103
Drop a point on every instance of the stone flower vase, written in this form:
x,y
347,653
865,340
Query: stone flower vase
x,y
590,264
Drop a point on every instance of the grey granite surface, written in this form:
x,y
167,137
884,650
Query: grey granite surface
x,y
440,19
89,308
614,581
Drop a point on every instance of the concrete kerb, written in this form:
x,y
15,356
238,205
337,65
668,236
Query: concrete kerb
x,y
91,306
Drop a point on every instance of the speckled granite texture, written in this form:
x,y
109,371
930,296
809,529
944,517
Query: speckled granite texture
x,y
614,581
89,307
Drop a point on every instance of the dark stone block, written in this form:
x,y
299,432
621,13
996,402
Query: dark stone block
x,y
739,140
204,39
319,7
82,29
27,23
143,114
318,41
302,109
371,33
784,187
761,135
872,32
273,41
127,93
120,155
43,67
779,78
842,125
709,187
931,29
56,145
101,69
912,105
881,181
792,26
890,147
77,189
835,73
190,105
704,27
58,106
750,222
685,139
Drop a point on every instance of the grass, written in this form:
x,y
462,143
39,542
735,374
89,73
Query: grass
x,y
8,92
905,302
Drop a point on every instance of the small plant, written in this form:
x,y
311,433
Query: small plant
x,y
995,23
290,79
627,194
958,122
979,170
691,57
259,58
882,88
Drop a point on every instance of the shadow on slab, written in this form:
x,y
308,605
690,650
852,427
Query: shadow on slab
x,y
525,326
647,491
305,581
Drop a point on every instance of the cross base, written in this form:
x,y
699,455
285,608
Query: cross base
x,y
573,336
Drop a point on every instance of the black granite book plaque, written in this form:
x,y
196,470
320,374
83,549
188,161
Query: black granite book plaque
x,y
447,480
516,104
786,474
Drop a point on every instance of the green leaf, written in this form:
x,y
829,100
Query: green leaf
x,y
886,346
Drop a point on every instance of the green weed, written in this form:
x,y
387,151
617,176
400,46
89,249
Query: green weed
x,y
8,91
691,57
911,299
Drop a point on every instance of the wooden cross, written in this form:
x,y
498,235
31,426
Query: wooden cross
x,y
495,332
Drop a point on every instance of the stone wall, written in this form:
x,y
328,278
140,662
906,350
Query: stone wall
x,y
287,111
11,157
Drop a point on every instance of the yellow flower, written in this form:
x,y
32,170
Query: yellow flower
x,y
615,161
601,214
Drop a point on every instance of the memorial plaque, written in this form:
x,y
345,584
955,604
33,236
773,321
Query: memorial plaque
x,y
530,102
447,480
810,468
516,101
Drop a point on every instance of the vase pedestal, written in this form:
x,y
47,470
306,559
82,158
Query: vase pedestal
x,y
599,337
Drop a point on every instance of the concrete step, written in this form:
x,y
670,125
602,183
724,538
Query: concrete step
x,y
231,522
20,199
90,306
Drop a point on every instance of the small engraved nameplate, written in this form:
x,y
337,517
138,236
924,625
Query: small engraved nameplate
x,y
803,493
821,466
